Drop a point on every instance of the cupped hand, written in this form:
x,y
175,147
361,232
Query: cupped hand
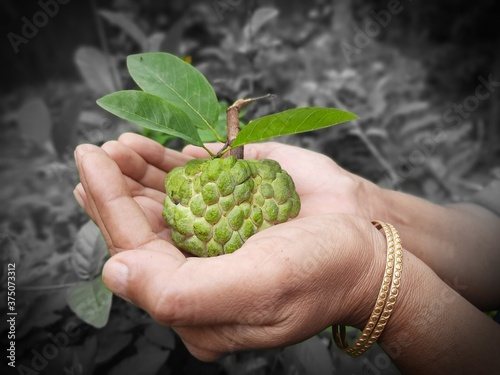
x,y
284,285
323,186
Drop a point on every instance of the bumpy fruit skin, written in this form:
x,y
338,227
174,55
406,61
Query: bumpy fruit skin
x,y
214,205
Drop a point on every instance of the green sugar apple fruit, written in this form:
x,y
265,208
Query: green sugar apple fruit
x,y
214,205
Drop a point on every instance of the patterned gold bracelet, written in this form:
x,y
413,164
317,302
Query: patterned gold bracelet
x,y
386,299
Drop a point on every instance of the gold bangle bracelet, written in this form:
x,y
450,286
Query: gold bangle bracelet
x,y
386,299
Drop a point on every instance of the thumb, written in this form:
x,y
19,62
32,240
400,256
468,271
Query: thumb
x,y
196,291
144,277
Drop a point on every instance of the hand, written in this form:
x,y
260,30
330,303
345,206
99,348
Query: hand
x,y
323,186
284,285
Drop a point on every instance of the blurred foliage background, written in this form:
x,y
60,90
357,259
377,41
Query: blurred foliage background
x,y
421,76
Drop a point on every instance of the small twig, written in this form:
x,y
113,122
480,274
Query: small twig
x,y
212,155
223,150
233,125
233,128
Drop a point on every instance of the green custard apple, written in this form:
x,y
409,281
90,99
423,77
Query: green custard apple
x,y
214,205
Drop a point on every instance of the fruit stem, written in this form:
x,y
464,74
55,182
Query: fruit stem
x,y
212,155
233,125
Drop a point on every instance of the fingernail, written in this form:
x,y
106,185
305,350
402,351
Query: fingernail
x,y
115,276
82,149
79,150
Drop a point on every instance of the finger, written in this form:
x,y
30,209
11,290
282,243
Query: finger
x,y
90,206
264,283
115,211
311,171
136,190
266,150
295,160
153,211
190,337
230,289
208,343
252,151
134,166
153,153
79,194
273,150
151,208
198,292
81,198
201,153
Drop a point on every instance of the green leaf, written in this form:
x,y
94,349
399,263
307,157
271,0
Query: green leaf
x,y
178,82
208,135
220,126
157,136
152,112
292,121
91,302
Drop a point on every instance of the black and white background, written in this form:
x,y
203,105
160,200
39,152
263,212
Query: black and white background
x,y
424,77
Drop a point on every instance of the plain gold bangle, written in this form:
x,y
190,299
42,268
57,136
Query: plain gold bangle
x,y
386,298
